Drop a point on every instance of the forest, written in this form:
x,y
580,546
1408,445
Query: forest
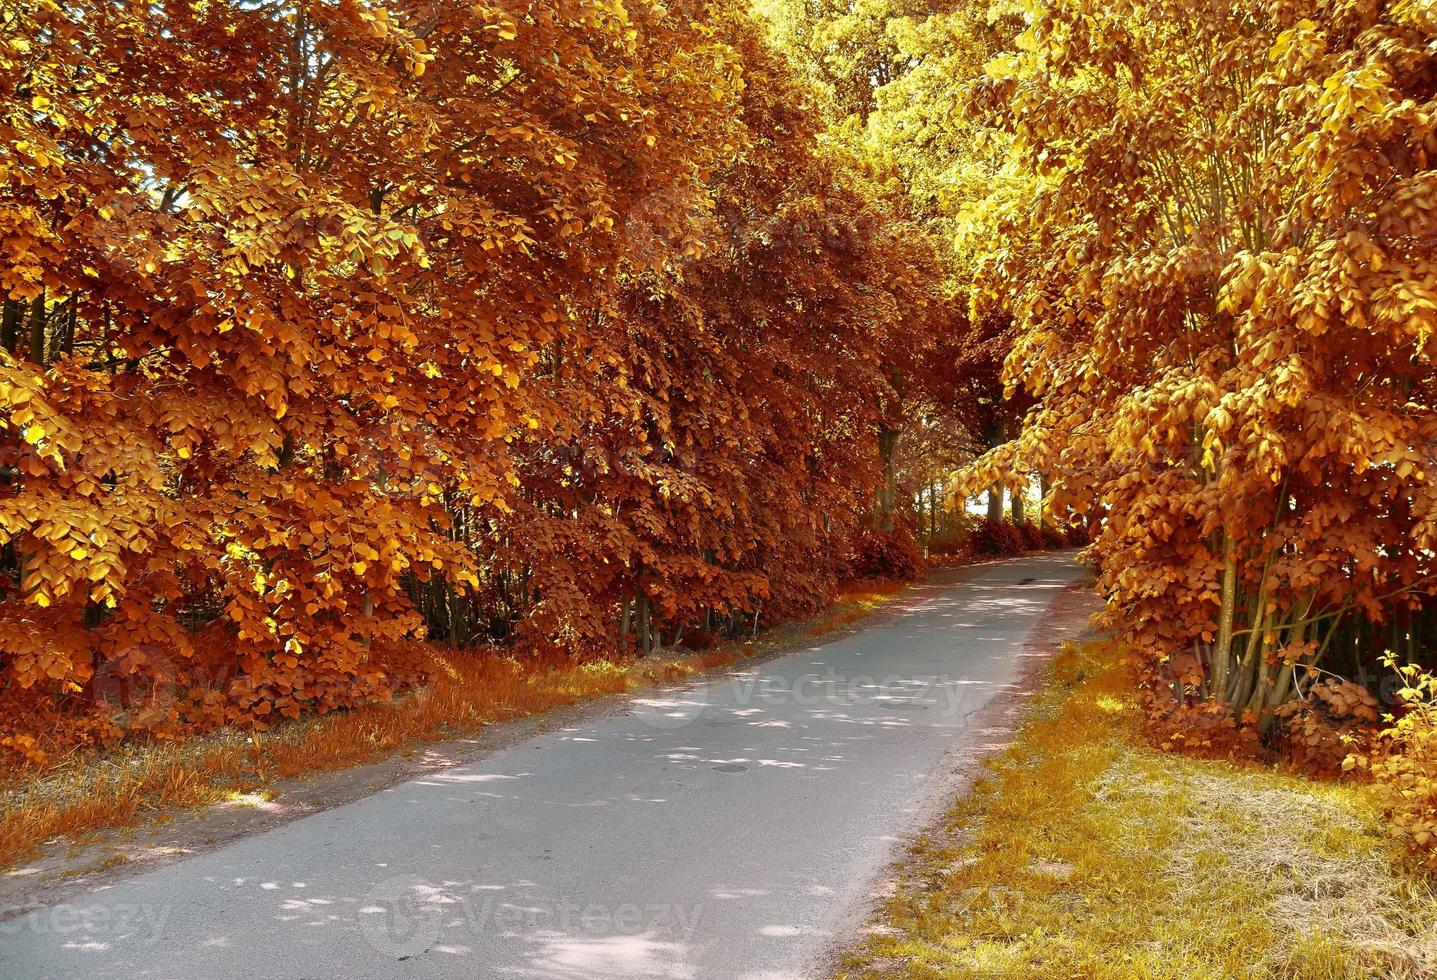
x,y
338,332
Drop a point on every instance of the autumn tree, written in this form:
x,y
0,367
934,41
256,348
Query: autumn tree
x,y
283,272
708,473
1222,284
330,328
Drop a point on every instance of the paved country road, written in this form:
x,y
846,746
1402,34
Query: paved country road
x,y
727,829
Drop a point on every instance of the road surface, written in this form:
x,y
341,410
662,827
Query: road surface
x,y
721,830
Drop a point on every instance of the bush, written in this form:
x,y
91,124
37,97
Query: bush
x,y
1404,768
997,538
1318,731
1054,538
1201,728
701,639
893,555
949,545
1031,535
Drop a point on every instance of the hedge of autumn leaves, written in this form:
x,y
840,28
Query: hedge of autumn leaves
x,y
1222,261
330,326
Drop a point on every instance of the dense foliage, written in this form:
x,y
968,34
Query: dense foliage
x,y
1226,289
331,326
1222,276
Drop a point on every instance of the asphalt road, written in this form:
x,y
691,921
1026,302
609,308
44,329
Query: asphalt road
x,y
721,830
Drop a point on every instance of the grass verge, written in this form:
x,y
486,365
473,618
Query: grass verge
x,y
1084,853
94,791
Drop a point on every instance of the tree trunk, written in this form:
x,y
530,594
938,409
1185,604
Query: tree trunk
x,y
888,492
645,634
37,330
10,326
1020,503
366,626
995,503
1221,658
1247,676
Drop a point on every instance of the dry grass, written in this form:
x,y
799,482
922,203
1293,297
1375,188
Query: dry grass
x,y
1087,854
89,792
